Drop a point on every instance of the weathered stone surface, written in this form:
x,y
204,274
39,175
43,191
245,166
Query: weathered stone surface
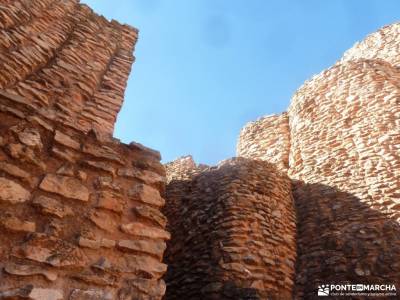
x,y
82,175
65,186
96,243
53,207
183,168
102,152
33,293
267,139
25,154
89,243
151,287
41,122
224,229
145,176
103,220
139,229
90,295
145,149
29,270
67,170
17,172
146,194
96,279
104,264
64,154
62,80
101,166
342,143
66,140
22,292
133,264
45,294
13,192
152,214
110,200
151,247
107,243
107,183
380,45
15,224
12,111
147,289
52,251
30,137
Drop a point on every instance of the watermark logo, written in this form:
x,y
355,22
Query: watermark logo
x,y
368,290
323,290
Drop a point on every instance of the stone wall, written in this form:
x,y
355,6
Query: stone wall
x,y
380,45
68,61
345,133
267,139
183,168
79,211
179,175
345,166
79,216
234,234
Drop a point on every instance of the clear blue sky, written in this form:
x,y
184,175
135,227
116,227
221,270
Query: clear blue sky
x,y
204,68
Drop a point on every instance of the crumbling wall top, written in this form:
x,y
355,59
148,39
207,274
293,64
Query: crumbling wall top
x,y
66,60
381,45
183,168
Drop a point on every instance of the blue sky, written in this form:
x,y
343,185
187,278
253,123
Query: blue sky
x,y
204,68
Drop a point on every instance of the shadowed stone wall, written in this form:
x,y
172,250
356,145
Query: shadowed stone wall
x,y
234,234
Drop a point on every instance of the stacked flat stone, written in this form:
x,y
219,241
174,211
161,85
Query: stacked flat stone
x,y
234,235
267,139
68,61
179,175
345,165
183,168
80,218
79,211
380,45
345,139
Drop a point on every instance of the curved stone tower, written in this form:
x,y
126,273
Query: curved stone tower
x,y
344,161
344,131
234,234
380,45
79,211
267,138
